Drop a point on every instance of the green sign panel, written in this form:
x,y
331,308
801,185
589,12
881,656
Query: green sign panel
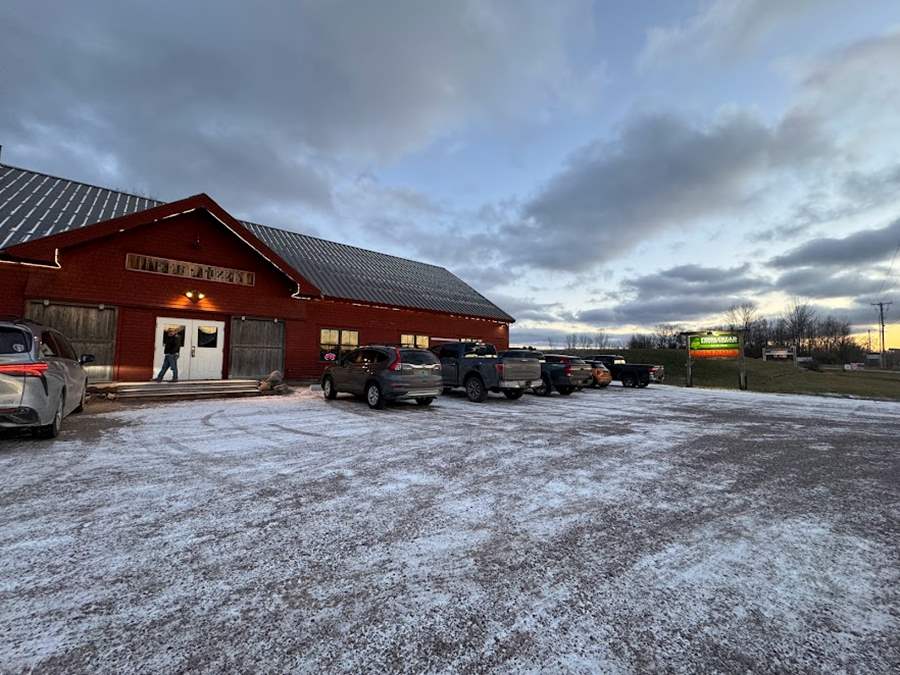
x,y
715,346
722,341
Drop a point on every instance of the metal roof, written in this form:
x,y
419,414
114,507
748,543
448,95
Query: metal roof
x,y
35,205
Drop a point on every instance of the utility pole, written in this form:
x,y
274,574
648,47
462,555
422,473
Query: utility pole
x,y
868,341
881,306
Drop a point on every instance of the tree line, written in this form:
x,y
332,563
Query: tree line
x,y
825,338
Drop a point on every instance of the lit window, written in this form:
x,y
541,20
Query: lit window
x,y
333,341
410,340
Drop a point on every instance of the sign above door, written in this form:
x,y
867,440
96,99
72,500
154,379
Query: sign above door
x,y
188,270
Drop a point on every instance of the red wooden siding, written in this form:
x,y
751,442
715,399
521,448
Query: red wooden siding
x,y
93,272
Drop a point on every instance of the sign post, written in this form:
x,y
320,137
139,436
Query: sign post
x,y
742,376
689,377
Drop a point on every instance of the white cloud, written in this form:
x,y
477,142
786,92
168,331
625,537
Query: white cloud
x,y
728,28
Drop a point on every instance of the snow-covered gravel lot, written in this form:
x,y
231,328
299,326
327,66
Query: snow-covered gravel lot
x,y
611,531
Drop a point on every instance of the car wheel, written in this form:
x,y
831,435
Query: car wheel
x,y
52,430
83,400
425,400
644,385
544,388
627,381
565,391
513,394
475,389
374,397
328,389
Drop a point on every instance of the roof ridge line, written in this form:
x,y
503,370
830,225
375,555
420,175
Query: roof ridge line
x,y
81,182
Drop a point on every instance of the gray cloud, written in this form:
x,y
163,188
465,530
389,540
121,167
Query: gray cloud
x,y
527,309
855,192
263,105
683,293
661,170
828,282
861,247
696,279
674,309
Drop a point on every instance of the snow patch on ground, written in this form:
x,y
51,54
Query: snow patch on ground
x,y
611,531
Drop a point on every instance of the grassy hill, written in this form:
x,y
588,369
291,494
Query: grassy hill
x,y
769,376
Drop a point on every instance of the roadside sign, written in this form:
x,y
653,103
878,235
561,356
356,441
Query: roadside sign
x,y
715,345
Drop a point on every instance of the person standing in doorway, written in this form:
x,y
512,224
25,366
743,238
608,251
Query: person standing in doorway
x,y
171,347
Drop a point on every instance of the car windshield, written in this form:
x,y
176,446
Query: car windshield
x,y
13,340
418,357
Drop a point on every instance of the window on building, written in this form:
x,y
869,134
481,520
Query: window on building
x,y
410,340
333,341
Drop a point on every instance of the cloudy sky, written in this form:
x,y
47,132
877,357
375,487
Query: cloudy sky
x,y
587,165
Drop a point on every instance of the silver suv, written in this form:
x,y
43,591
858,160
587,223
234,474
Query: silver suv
x,y
385,373
41,378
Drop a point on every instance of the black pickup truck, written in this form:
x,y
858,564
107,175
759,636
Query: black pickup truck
x,y
561,372
630,374
477,367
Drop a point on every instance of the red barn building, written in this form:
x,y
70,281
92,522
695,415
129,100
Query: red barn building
x,y
113,271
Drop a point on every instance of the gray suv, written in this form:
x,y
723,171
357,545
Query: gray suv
x,y
41,378
384,373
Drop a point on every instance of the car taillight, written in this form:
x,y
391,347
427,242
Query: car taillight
x,y
36,369
396,363
567,370
499,367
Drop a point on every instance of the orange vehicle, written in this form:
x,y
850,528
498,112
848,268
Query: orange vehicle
x,y
602,376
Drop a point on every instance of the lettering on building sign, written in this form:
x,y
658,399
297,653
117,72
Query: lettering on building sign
x,y
188,270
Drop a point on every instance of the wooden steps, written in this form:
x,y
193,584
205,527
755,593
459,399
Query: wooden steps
x,y
183,389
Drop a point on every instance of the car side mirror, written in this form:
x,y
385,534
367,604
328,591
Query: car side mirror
x,y
86,358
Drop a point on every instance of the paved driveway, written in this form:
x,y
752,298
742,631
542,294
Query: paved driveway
x,y
614,530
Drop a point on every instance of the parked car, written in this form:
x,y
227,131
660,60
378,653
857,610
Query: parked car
x,y
383,374
478,368
563,373
602,376
630,374
42,380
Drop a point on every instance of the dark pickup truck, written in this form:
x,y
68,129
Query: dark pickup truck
x,y
477,367
630,374
561,372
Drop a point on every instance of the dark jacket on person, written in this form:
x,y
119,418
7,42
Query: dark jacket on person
x,y
172,344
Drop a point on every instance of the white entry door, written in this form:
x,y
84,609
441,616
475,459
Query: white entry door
x,y
202,347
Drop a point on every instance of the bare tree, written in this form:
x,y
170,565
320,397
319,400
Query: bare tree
x,y
601,339
550,343
743,317
640,341
800,322
572,341
665,335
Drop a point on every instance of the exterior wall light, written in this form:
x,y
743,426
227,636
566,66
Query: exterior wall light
x,y
194,295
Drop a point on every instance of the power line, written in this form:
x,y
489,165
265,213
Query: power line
x,y
890,269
